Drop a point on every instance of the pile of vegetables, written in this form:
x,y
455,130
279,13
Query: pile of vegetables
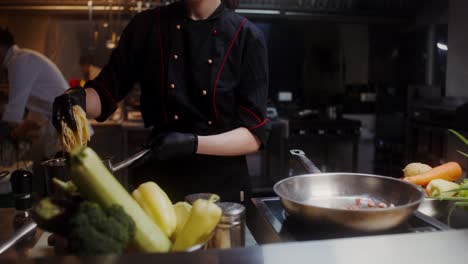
x,y
440,182
187,225
101,217
423,175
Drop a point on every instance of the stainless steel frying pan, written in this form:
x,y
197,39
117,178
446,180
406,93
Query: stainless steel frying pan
x,y
325,198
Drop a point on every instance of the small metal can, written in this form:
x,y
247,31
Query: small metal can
x,y
56,168
230,231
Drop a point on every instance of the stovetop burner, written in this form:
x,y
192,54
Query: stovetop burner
x,y
290,229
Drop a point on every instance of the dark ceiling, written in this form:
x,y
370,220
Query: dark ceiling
x,y
407,9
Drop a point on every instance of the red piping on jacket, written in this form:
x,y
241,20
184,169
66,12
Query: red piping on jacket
x,y
251,113
259,125
224,64
162,65
103,85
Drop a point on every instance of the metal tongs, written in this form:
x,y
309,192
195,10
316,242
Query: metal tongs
x,y
126,162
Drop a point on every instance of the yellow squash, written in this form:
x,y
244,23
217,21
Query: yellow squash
x,y
204,217
182,210
157,205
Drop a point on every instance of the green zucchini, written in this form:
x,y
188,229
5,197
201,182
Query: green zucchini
x,y
98,185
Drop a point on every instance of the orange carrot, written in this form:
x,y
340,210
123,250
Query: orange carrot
x,y
449,171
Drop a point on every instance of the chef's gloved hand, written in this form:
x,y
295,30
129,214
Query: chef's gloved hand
x,y
174,145
63,107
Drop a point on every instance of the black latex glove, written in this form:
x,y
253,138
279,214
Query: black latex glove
x,y
173,145
63,107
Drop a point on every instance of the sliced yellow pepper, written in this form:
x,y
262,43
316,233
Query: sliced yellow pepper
x,y
157,205
204,217
182,210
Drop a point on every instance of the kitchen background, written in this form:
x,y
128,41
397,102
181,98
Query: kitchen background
x,y
368,87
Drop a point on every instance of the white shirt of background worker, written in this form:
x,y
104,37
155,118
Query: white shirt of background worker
x,y
34,82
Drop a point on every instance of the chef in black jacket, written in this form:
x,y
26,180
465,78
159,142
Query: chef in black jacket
x,y
203,73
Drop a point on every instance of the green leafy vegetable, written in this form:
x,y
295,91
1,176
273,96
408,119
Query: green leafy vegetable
x,y
462,196
456,199
463,153
460,136
463,190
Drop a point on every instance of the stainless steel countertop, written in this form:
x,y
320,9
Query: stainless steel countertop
x,y
249,238
437,247
434,247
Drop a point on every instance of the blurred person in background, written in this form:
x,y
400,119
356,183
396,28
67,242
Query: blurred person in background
x,y
34,81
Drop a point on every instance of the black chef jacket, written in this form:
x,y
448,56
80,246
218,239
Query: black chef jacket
x,y
204,77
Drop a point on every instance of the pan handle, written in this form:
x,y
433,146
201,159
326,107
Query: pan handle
x,y
308,165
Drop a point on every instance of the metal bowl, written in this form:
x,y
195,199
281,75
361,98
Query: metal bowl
x,y
199,247
321,199
436,208
202,246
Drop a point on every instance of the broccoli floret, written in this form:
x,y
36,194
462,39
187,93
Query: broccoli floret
x,y
96,231
116,212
